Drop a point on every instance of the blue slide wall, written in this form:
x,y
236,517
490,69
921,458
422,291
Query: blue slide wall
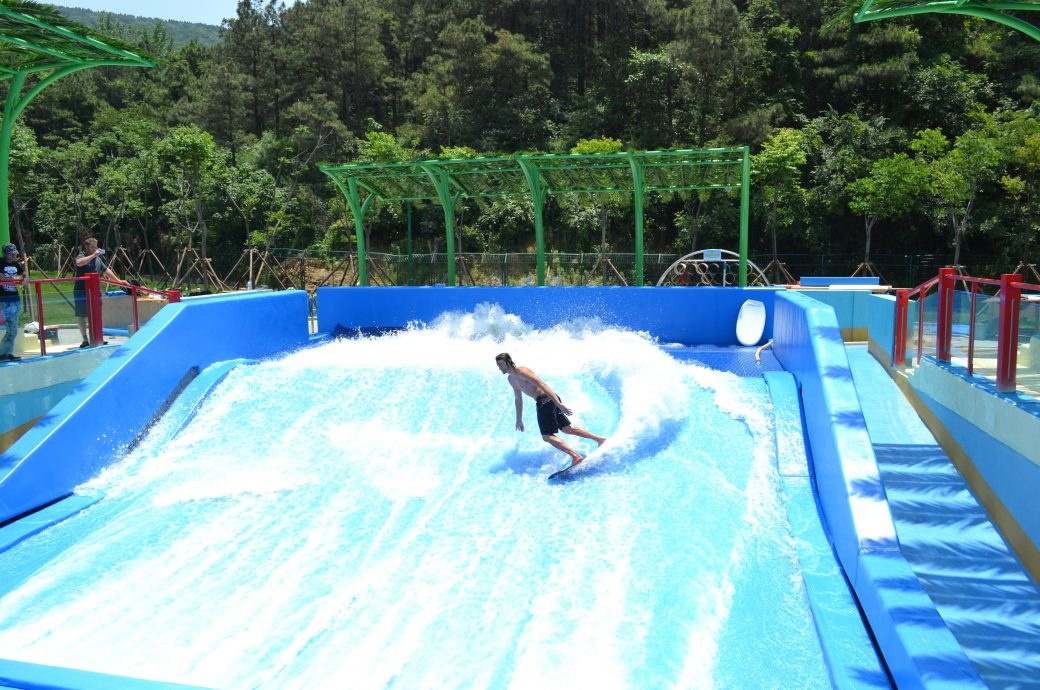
x,y
918,646
93,426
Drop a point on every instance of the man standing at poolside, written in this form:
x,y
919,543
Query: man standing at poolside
x,y
10,301
88,261
551,410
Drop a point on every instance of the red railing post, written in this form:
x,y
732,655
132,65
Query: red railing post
x,y
899,337
922,297
944,318
94,326
971,328
1007,331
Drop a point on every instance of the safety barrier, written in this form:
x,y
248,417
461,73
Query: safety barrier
x,y
92,288
1010,298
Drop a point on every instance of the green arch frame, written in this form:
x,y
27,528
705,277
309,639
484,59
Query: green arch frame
x,y
38,46
446,182
993,11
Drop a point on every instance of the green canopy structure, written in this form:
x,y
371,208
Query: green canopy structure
x,y
446,182
994,10
38,46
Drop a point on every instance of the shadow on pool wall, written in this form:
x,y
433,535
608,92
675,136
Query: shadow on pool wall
x,y
130,389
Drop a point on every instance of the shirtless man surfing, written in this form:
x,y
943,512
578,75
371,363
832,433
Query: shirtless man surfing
x,y
551,410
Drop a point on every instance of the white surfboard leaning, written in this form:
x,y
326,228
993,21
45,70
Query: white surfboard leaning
x,y
751,322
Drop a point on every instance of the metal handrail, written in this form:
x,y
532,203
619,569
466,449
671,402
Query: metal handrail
x,y
93,296
1010,287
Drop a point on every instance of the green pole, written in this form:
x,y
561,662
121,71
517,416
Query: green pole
x,y
409,243
358,211
441,184
745,203
533,175
6,130
638,186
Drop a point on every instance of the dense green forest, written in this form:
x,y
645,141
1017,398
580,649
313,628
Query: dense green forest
x,y
914,136
180,32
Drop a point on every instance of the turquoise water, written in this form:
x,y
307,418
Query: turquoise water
x,y
363,514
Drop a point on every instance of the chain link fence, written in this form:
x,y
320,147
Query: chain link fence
x,y
280,268
614,269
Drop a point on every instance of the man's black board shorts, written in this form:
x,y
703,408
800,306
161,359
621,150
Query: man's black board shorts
x,y
550,419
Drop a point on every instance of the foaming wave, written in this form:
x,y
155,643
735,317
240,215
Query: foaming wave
x,y
487,320
368,466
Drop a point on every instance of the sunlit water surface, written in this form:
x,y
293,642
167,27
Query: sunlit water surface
x,y
363,514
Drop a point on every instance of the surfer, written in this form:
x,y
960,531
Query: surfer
x,y
551,410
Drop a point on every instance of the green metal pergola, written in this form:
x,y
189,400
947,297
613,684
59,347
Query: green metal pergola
x,y
446,182
38,46
996,10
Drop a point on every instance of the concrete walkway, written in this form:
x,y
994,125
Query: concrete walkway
x,y
979,587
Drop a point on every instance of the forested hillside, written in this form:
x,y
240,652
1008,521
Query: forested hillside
x,y
180,32
909,134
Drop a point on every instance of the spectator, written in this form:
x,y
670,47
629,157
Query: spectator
x,y
88,261
11,269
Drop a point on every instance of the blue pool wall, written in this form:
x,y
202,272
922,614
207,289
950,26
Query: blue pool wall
x,y
851,308
881,328
704,316
95,424
33,386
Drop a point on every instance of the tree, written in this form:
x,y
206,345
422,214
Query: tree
x,y
947,94
66,197
344,37
191,170
250,42
777,172
864,67
223,108
890,190
714,49
605,201
842,147
317,132
250,191
1021,137
486,89
651,84
24,181
957,174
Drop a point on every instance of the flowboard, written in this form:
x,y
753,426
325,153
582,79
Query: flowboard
x,y
751,322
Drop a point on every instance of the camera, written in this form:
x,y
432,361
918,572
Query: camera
x,y
101,252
